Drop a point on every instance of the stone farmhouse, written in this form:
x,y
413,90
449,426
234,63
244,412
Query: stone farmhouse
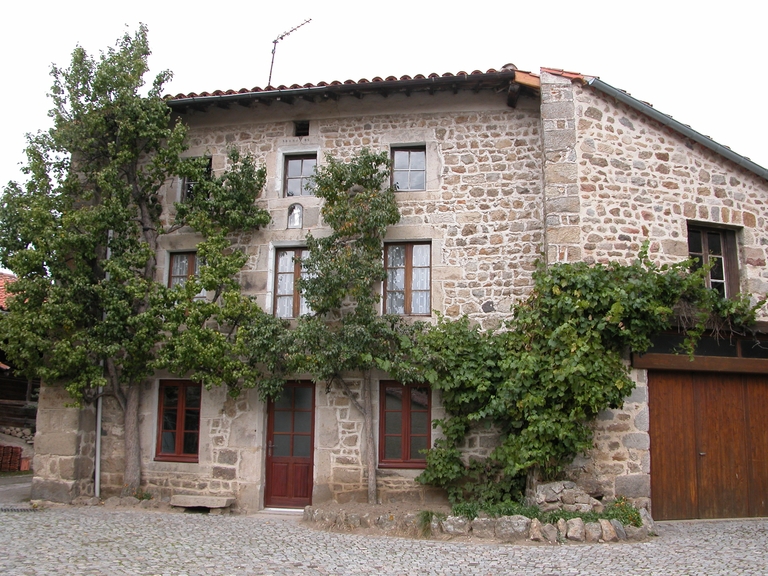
x,y
495,170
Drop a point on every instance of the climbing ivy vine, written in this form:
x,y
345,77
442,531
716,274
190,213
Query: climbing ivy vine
x,y
560,360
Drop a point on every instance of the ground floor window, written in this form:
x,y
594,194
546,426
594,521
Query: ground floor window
x,y
405,425
178,430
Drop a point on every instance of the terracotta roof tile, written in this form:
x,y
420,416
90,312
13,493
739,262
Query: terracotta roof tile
x,y
5,279
349,82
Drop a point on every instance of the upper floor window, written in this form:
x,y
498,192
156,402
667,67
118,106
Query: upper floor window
x,y
188,185
289,303
409,168
404,425
299,171
301,128
407,288
178,431
184,265
716,247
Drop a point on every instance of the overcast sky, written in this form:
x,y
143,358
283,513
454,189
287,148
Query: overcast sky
x,y
700,62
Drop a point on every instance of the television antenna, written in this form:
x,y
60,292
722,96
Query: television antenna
x,y
274,46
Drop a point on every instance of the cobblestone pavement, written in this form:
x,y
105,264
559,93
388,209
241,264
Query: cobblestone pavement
x,y
92,541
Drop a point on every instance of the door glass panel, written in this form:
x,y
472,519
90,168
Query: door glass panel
x,y
281,445
713,243
302,422
421,254
694,242
303,398
282,422
301,445
396,257
419,398
395,303
393,448
284,402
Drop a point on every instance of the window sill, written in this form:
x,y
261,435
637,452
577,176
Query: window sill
x,y
403,465
174,458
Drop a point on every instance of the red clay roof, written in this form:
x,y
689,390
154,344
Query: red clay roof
x,y
525,78
5,279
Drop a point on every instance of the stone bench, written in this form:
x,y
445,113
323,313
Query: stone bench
x,y
215,504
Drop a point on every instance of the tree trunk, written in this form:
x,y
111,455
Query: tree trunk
x,y
370,453
132,471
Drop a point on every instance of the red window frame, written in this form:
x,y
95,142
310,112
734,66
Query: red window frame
x,y
192,268
295,272
407,289
390,434
178,424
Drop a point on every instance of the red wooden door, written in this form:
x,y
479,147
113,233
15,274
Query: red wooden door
x,y
290,447
709,445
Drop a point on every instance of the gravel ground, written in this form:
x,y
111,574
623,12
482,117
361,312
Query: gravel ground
x,y
94,541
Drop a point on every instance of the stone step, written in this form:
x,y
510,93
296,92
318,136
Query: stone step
x,y
201,501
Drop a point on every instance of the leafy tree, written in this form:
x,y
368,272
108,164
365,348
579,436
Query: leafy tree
x,y
82,236
345,334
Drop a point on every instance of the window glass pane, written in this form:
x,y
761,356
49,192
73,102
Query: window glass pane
x,y
180,265
308,167
169,419
401,159
303,397
294,187
418,443
418,160
284,307
395,303
420,279
302,421
393,423
719,287
751,349
716,272
170,396
191,420
285,284
419,398
421,254
713,243
420,303
396,279
190,443
168,443
393,448
281,445
416,181
395,256
400,180
304,307
419,423
394,398
301,446
294,167
193,396
694,241
285,261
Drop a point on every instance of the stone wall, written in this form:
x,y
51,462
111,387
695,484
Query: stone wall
x,y
64,447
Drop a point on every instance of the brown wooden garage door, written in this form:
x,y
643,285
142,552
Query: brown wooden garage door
x,y
709,444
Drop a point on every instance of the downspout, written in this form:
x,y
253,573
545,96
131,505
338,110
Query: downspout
x,y
97,471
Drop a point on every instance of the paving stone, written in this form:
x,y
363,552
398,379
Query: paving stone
x,y
94,541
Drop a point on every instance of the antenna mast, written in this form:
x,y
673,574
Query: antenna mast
x,y
274,46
